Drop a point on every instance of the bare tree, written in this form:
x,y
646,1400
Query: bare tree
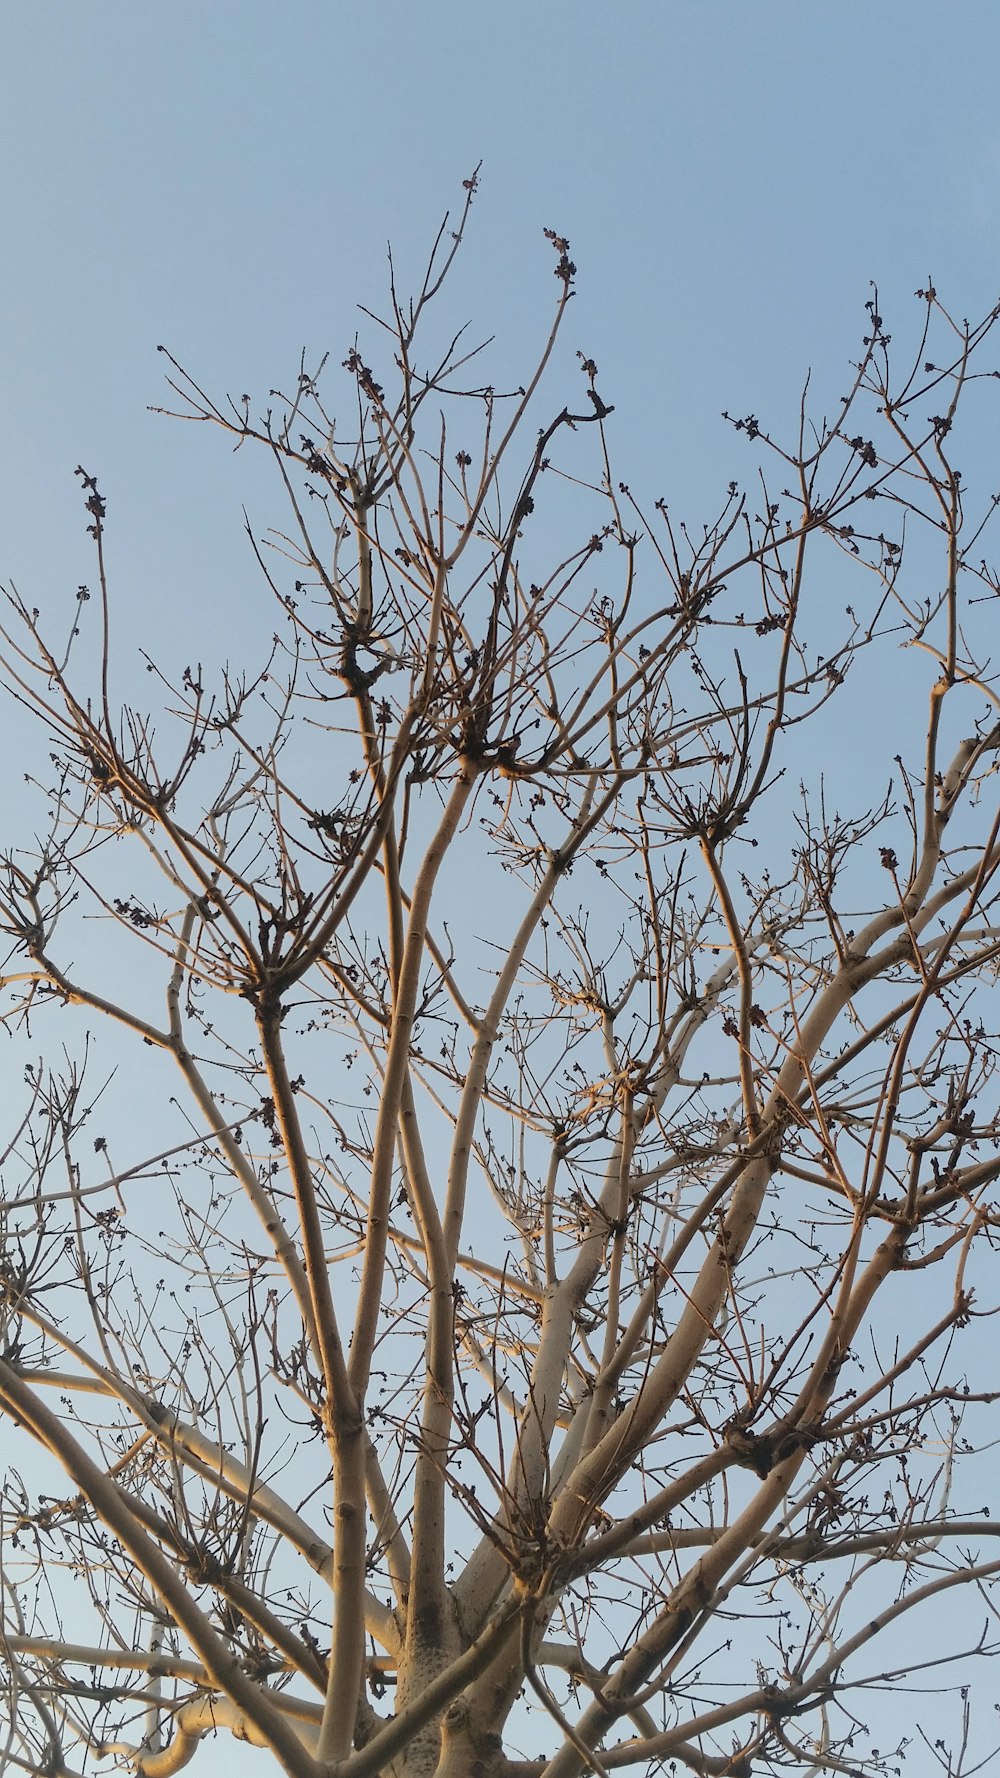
x,y
491,1277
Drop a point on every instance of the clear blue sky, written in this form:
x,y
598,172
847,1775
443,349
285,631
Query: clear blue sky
x,y
222,176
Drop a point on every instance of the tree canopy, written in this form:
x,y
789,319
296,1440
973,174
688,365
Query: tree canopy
x,y
495,1245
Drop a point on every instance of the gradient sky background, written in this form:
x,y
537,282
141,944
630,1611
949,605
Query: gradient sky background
x,y
222,176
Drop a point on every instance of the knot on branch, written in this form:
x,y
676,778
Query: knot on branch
x,y
762,1451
